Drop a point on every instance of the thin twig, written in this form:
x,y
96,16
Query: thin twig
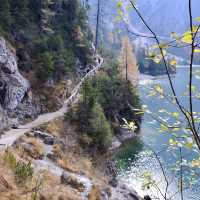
x,y
181,107
181,173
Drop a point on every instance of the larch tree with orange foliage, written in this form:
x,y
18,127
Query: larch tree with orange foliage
x,y
128,62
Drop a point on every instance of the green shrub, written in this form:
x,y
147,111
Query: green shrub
x,y
5,15
10,159
20,12
23,171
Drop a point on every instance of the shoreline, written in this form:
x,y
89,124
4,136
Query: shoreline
x,y
143,76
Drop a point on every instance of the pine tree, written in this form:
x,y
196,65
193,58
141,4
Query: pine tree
x,y
100,129
20,12
47,66
97,24
5,15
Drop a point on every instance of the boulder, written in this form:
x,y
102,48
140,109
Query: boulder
x,y
123,191
125,135
115,144
32,150
33,147
106,193
113,182
111,169
52,157
49,140
72,180
45,137
147,197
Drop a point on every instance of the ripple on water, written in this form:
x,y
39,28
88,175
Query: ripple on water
x,y
132,160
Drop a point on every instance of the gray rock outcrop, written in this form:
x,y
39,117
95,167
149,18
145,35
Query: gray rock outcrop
x,y
16,100
123,191
13,86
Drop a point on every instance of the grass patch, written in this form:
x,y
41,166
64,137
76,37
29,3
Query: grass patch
x,y
23,171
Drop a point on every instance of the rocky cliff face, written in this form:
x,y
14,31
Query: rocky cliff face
x,y
14,88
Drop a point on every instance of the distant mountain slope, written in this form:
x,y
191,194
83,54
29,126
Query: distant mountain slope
x,y
167,15
164,16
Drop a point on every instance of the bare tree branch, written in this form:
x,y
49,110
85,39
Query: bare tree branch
x,y
190,119
181,173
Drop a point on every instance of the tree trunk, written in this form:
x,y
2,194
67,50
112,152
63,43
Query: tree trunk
x,y
126,64
97,26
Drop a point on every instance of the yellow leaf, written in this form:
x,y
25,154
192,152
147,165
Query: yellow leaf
x,y
172,142
176,129
175,114
118,19
195,163
193,88
187,37
189,145
197,50
164,128
173,62
194,29
164,45
174,35
159,89
197,19
157,60
119,4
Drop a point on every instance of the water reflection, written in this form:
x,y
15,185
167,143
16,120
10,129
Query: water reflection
x,y
128,153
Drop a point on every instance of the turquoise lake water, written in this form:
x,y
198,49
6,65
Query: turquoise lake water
x,y
133,158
